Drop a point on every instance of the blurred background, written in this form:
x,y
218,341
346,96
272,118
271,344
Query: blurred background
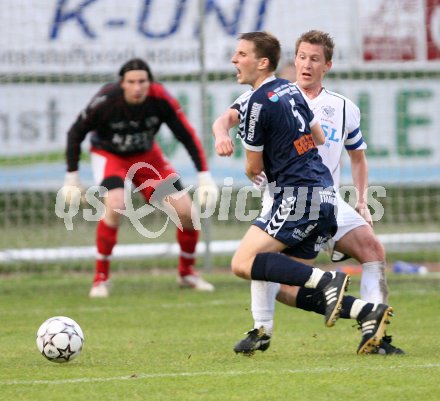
x,y
56,54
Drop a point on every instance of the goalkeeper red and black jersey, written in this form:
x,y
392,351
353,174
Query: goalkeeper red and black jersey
x,y
126,129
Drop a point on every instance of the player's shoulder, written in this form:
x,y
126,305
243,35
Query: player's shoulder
x,y
276,85
107,93
111,89
297,93
335,96
158,90
273,90
243,99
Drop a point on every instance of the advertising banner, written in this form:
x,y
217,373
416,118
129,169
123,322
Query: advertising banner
x,y
59,38
96,36
400,122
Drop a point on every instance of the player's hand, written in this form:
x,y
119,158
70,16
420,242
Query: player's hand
x,y
260,181
224,145
207,191
72,189
364,211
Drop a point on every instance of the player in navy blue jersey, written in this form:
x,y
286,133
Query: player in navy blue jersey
x,y
123,118
280,134
355,236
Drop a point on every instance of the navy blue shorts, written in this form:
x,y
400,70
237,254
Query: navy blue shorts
x,y
303,220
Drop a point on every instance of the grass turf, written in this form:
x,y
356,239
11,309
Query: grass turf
x,y
152,341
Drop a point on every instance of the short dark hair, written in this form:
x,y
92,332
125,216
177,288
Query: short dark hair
x,y
315,37
136,64
266,45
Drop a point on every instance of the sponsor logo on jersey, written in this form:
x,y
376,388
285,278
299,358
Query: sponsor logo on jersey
x,y
328,196
304,144
273,97
328,111
253,118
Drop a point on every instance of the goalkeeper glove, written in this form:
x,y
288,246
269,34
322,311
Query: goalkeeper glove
x,y
72,189
207,191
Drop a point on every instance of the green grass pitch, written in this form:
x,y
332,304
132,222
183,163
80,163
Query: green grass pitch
x,y
153,341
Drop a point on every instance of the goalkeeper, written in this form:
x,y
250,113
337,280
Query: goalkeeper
x,y
123,118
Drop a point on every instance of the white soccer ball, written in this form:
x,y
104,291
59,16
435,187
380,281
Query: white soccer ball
x,y
60,339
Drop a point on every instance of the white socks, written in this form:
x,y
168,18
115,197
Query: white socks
x,y
314,279
356,308
374,286
263,295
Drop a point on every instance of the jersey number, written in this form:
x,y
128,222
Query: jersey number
x,y
297,115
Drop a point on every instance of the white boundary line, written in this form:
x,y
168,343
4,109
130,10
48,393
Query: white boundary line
x,y
147,376
407,241
121,308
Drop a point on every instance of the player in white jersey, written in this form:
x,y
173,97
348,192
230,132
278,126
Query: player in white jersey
x,y
340,120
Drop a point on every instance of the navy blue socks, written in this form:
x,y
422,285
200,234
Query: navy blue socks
x,y
280,269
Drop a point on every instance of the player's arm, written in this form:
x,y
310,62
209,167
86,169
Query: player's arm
x,y
254,164
253,142
175,118
221,127
86,121
75,136
72,189
355,146
359,171
317,134
178,123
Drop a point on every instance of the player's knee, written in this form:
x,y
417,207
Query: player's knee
x,y
380,250
186,218
112,182
375,248
239,266
115,200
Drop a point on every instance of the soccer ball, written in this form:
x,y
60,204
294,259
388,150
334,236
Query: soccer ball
x,y
60,339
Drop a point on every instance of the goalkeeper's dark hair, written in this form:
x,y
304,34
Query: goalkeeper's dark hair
x,y
266,46
136,64
315,37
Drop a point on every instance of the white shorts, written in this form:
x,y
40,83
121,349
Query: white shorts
x,y
348,219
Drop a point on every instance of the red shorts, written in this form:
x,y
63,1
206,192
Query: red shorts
x,y
139,168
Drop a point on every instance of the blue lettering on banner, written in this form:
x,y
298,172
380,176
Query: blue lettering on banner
x,y
62,16
175,22
231,26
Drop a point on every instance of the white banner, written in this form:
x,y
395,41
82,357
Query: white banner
x,y
97,36
400,123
